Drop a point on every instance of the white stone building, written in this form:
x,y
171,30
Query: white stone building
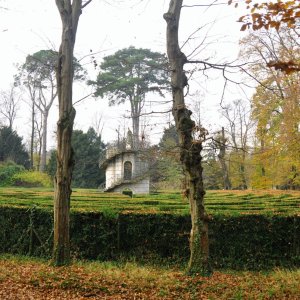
x,y
126,169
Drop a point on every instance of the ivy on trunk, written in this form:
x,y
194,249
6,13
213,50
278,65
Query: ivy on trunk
x,y
70,12
190,149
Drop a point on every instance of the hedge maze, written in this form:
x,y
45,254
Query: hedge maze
x,y
249,231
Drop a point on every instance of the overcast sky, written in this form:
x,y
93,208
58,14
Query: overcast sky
x,y
104,27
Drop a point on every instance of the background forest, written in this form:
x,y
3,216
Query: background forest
x,y
255,143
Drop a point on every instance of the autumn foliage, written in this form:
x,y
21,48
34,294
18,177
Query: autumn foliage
x,y
272,15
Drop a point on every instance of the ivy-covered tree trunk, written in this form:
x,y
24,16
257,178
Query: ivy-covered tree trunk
x,y
69,13
190,150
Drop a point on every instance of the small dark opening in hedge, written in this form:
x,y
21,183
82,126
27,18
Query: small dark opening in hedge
x,y
128,192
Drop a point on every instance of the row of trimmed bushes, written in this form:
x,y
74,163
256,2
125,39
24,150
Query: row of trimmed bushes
x,y
238,242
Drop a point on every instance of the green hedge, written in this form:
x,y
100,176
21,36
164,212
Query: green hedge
x,y
253,242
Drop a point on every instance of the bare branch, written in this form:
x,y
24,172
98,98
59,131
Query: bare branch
x,y
86,3
155,112
83,98
205,5
91,54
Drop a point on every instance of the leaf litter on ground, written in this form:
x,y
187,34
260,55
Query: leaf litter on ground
x,y
23,278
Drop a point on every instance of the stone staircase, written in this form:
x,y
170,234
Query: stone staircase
x,y
122,181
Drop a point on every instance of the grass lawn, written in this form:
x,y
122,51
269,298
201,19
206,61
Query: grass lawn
x,y
24,278
217,202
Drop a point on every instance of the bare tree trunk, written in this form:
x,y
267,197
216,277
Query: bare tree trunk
x,y
221,157
44,141
135,130
32,134
136,107
9,106
262,149
39,140
44,109
243,172
190,155
69,13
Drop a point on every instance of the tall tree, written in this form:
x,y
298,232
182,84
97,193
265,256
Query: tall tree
x,y
238,117
9,105
275,107
220,142
88,148
70,12
190,149
12,148
128,75
38,75
168,172
212,173
28,81
41,68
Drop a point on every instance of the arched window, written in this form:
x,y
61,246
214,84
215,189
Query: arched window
x,y
127,170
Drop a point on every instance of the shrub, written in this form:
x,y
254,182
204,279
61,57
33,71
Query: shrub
x,y
7,170
252,242
31,179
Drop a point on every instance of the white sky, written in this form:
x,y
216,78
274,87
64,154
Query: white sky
x,y
29,26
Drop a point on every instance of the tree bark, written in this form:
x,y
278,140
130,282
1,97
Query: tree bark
x,y
44,108
69,13
136,130
136,107
32,134
190,150
44,141
221,157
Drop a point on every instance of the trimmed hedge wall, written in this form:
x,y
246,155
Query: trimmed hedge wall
x,y
253,242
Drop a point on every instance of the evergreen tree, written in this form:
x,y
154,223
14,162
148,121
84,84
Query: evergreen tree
x,y
127,76
168,171
12,148
212,172
88,148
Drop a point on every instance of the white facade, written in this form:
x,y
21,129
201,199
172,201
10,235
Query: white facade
x,y
126,169
140,187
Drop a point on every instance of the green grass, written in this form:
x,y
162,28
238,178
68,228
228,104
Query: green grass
x,y
217,202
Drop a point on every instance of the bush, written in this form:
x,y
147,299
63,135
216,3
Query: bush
x,y
253,242
7,170
31,179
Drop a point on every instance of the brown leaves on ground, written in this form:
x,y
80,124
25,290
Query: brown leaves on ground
x,y
25,279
